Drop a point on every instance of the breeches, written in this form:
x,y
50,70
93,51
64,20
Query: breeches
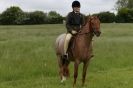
x,y
66,43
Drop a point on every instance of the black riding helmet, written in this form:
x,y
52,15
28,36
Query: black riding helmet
x,y
75,4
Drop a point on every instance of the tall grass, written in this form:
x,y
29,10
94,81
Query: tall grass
x,y
28,60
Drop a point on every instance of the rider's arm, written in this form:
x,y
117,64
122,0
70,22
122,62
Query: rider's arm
x,y
68,23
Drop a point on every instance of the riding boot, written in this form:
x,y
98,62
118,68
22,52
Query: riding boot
x,y
65,56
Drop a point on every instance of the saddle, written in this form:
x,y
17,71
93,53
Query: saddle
x,y
71,46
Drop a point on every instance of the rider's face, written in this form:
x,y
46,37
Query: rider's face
x,y
76,9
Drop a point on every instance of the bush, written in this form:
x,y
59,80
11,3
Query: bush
x,y
106,17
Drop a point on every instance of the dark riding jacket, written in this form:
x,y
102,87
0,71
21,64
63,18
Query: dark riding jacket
x,y
74,21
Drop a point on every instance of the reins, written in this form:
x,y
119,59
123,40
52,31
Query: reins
x,y
79,33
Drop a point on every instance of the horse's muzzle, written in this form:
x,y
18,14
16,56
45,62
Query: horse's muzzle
x,y
98,33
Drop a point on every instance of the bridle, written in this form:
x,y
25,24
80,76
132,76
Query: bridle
x,y
89,28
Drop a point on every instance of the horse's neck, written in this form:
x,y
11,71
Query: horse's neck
x,y
87,34
86,28
85,38
82,45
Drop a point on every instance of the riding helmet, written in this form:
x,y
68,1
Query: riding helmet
x,y
75,4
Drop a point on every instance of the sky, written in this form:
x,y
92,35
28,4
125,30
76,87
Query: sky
x,y
60,6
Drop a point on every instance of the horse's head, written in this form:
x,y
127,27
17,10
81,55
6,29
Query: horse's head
x,y
94,23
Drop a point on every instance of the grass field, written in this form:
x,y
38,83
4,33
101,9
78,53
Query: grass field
x,y
28,60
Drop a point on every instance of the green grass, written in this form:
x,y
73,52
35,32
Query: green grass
x,y
28,60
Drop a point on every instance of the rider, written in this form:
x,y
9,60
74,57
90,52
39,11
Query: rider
x,y
74,21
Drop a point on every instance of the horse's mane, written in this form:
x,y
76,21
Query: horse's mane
x,y
89,17
86,19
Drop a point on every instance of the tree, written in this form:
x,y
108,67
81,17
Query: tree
x,y
37,17
130,4
125,15
125,11
54,17
13,15
124,4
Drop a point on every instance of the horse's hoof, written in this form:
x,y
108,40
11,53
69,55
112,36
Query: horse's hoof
x,y
63,79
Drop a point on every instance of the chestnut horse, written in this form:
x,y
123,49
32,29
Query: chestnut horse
x,y
78,51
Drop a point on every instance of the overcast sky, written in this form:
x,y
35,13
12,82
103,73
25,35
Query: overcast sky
x,y
61,6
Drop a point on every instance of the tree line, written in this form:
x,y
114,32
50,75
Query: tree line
x,y
124,14
15,16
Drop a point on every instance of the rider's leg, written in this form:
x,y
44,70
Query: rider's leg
x,y
66,43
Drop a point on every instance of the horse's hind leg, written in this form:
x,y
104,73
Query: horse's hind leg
x,y
85,66
65,64
63,69
60,66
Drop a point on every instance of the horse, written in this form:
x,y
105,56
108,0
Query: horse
x,y
79,50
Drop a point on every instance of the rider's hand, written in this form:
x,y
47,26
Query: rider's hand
x,y
74,32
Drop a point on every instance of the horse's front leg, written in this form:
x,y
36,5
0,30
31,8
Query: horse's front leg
x,y
85,66
76,64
